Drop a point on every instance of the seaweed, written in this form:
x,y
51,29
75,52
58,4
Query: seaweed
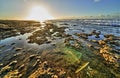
x,y
72,55
82,67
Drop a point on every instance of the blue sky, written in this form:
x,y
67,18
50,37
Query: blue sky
x,y
18,9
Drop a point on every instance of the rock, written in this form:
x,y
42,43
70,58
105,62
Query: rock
x,y
20,39
21,67
93,32
97,36
13,74
12,43
38,57
89,45
38,60
5,69
54,76
32,56
13,63
17,54
1,64
95,41
51,30
8,67
101,42
18,49
1,46
110,38
48,42
53,44
107,55
45,65
97,47
108,35
109,58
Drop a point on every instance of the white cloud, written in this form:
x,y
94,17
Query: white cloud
x,y
97,0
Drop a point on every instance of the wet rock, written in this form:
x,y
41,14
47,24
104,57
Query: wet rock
x,y
93,32
21,67
105,49
53,44
97,36
83,35
13,74
77,46
42,71
38,57
1,46
74,25
5,70
108,35
97,47
101,42
51,30
54,76
12,43
45,76
107,54
96,33
38,61
13,63
5,27
57,34
110,38
64,24
46,65
89,45
109,58
48,42
32,56
20,39
1,64
17,54
18,49
67,35
8,68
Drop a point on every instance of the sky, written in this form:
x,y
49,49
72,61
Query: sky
x,y
19,9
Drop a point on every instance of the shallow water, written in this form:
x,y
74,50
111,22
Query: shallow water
x,y
93,37
89,28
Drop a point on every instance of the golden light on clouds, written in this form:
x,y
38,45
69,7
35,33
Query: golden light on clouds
x,y
39,13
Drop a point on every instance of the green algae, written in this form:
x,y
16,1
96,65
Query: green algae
x,y
72,55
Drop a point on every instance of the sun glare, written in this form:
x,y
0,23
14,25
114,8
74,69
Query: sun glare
x,y
39,13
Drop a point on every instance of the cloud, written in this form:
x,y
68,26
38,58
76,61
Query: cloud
x,y
97,0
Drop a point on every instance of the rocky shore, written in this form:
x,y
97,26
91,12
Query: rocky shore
x,y
57,49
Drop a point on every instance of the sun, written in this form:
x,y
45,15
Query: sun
x,y
39,13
